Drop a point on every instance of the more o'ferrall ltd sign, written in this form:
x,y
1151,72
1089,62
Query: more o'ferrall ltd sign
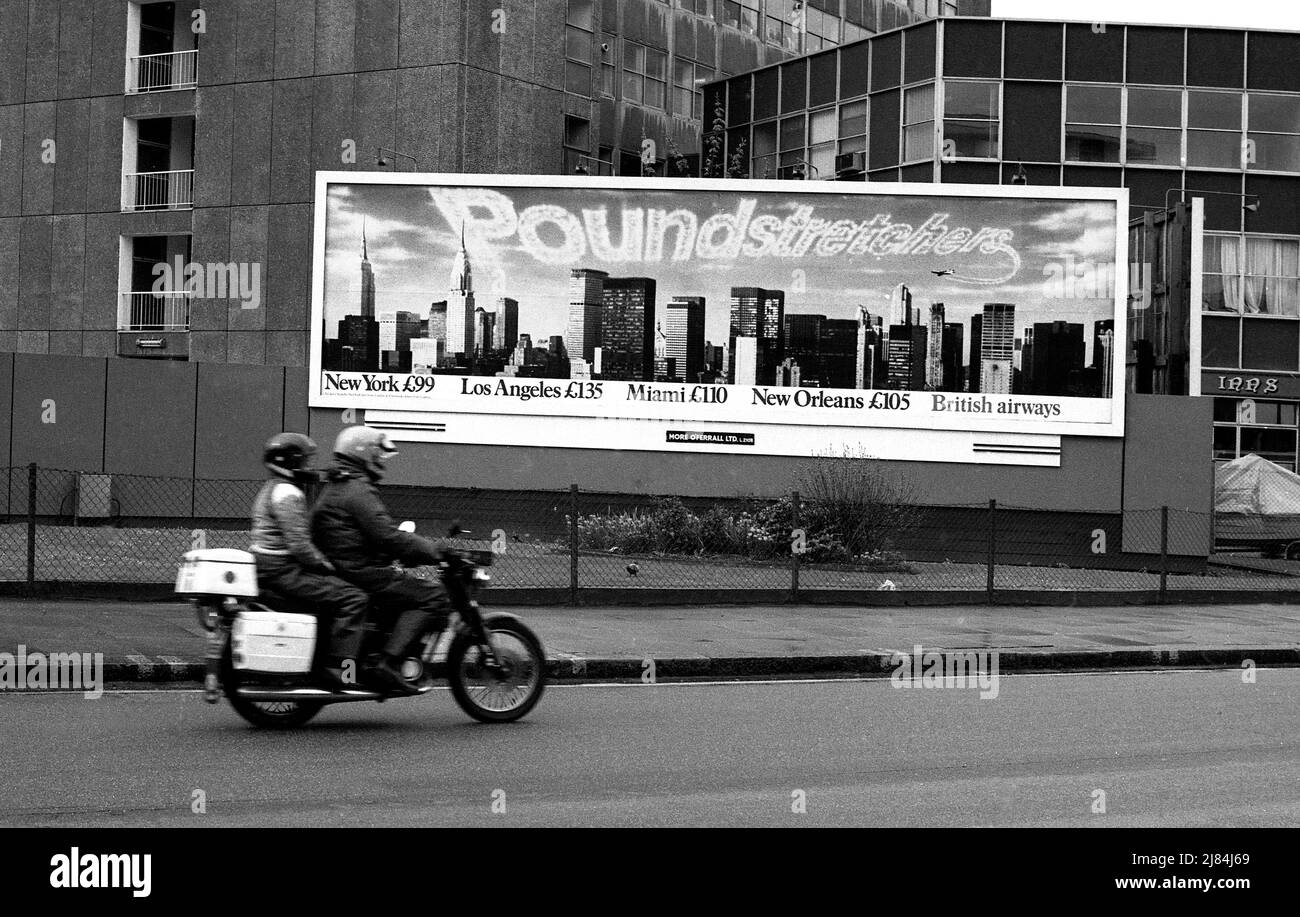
x,y
752,317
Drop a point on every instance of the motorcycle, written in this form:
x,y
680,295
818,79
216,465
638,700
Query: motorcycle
x,y
262,648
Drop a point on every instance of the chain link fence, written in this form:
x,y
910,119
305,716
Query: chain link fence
x,y
573,545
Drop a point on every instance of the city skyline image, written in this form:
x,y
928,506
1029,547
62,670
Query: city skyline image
x,y
578,283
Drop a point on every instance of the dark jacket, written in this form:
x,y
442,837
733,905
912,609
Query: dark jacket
x,y
353,529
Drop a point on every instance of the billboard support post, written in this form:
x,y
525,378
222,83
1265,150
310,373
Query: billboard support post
x,y
797,540
573,544
993,544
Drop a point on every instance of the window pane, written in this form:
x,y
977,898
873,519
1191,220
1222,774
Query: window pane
x,y
1216,292
1225,410
580,14
1213,150
978,139
853,145
631,87
633,57
1221,110
764,138
792,133
918,141
656,64
822,158
1155,107
683,74
1091,143
1272,444
1092,104
1274,152
853,119
1280,114
1225,443
654,93
1155,146
1270,345
821,126
918,104
577,78
970,100
1219,342
577,44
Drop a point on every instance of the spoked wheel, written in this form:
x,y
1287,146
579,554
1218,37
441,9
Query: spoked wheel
x,y
497,694
266,714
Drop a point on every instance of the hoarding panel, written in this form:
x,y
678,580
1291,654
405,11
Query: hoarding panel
x,y
755,317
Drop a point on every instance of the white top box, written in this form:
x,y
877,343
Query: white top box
x,y
217,571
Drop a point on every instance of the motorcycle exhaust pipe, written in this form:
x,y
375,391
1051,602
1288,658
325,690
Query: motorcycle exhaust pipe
x,y
280,695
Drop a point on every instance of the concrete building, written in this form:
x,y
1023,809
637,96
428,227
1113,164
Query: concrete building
x,y
997,348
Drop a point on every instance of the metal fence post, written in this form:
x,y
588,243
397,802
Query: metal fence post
x,y
573,544
1164,552
993,545
797,540
31,528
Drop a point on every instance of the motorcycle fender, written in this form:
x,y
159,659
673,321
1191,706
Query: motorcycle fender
x,y
496,616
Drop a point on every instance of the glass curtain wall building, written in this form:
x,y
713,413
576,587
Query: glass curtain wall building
x,y
1168,112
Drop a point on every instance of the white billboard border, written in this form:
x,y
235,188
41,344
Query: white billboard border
x,y
1118,197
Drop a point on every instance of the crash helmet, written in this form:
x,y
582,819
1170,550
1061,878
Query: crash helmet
x,y
370,447
289,455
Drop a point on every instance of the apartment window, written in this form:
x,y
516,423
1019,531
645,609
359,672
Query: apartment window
x,y
645,77
577,47
822,127
971,114
577,144
608,65
1265,428
853,127
764,158
698,7
1155,127
1214,130
742,15
688,77
792,137
1251,275
1092,123
918,123
784,25
1273,141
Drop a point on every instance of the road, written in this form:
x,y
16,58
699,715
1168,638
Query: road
x,y
1173,748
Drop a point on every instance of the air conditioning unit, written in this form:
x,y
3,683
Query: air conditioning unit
x,y
851,162
94,496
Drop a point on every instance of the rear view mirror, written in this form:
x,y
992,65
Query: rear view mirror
x,y
456,529
407,526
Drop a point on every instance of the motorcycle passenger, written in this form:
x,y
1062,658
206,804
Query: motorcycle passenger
x,y
353,528
289,564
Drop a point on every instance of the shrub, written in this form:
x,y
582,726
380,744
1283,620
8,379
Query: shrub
x,y
851,497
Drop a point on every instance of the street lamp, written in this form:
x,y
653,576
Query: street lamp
x,y
581,168
1246,204
381,160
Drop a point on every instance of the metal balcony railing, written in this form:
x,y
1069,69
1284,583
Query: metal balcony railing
x,y
158,190
158,72
150,311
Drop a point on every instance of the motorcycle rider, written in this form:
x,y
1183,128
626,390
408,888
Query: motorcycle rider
x,y
354,530
289,564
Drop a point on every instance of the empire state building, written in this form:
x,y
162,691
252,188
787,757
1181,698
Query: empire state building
x,y
460,303
367,279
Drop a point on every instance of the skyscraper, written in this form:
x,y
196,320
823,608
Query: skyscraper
x,y
460,303
803,345
438,321
586,291
951,357
838,352
759,314
974,373
506,329
367,278
484,329
1057,353
997,348
359,338
684,333
627,328
934,352
1105,362
907,348
900,305
744,351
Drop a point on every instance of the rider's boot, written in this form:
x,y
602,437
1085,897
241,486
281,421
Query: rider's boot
x,y
387,674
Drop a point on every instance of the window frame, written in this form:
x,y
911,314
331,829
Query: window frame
x,y
941,103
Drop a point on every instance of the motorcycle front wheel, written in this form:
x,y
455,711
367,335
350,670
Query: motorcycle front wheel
x,y
265,714
505,693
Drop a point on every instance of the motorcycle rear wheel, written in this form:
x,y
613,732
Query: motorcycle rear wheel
x,y
501,697
264,714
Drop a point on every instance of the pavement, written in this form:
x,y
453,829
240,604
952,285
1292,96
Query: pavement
x,y
159,642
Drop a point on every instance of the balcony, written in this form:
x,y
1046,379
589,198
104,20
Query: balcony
x,y
151,311
162,72
158,190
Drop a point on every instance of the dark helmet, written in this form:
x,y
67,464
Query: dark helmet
x,y
288,455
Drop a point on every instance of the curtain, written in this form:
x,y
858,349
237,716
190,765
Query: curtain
x,y
1271,268
1229,255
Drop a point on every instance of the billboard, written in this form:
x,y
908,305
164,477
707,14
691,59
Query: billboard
x,y
923,322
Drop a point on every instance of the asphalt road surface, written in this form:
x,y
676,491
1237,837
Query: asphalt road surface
x,y
1174,748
